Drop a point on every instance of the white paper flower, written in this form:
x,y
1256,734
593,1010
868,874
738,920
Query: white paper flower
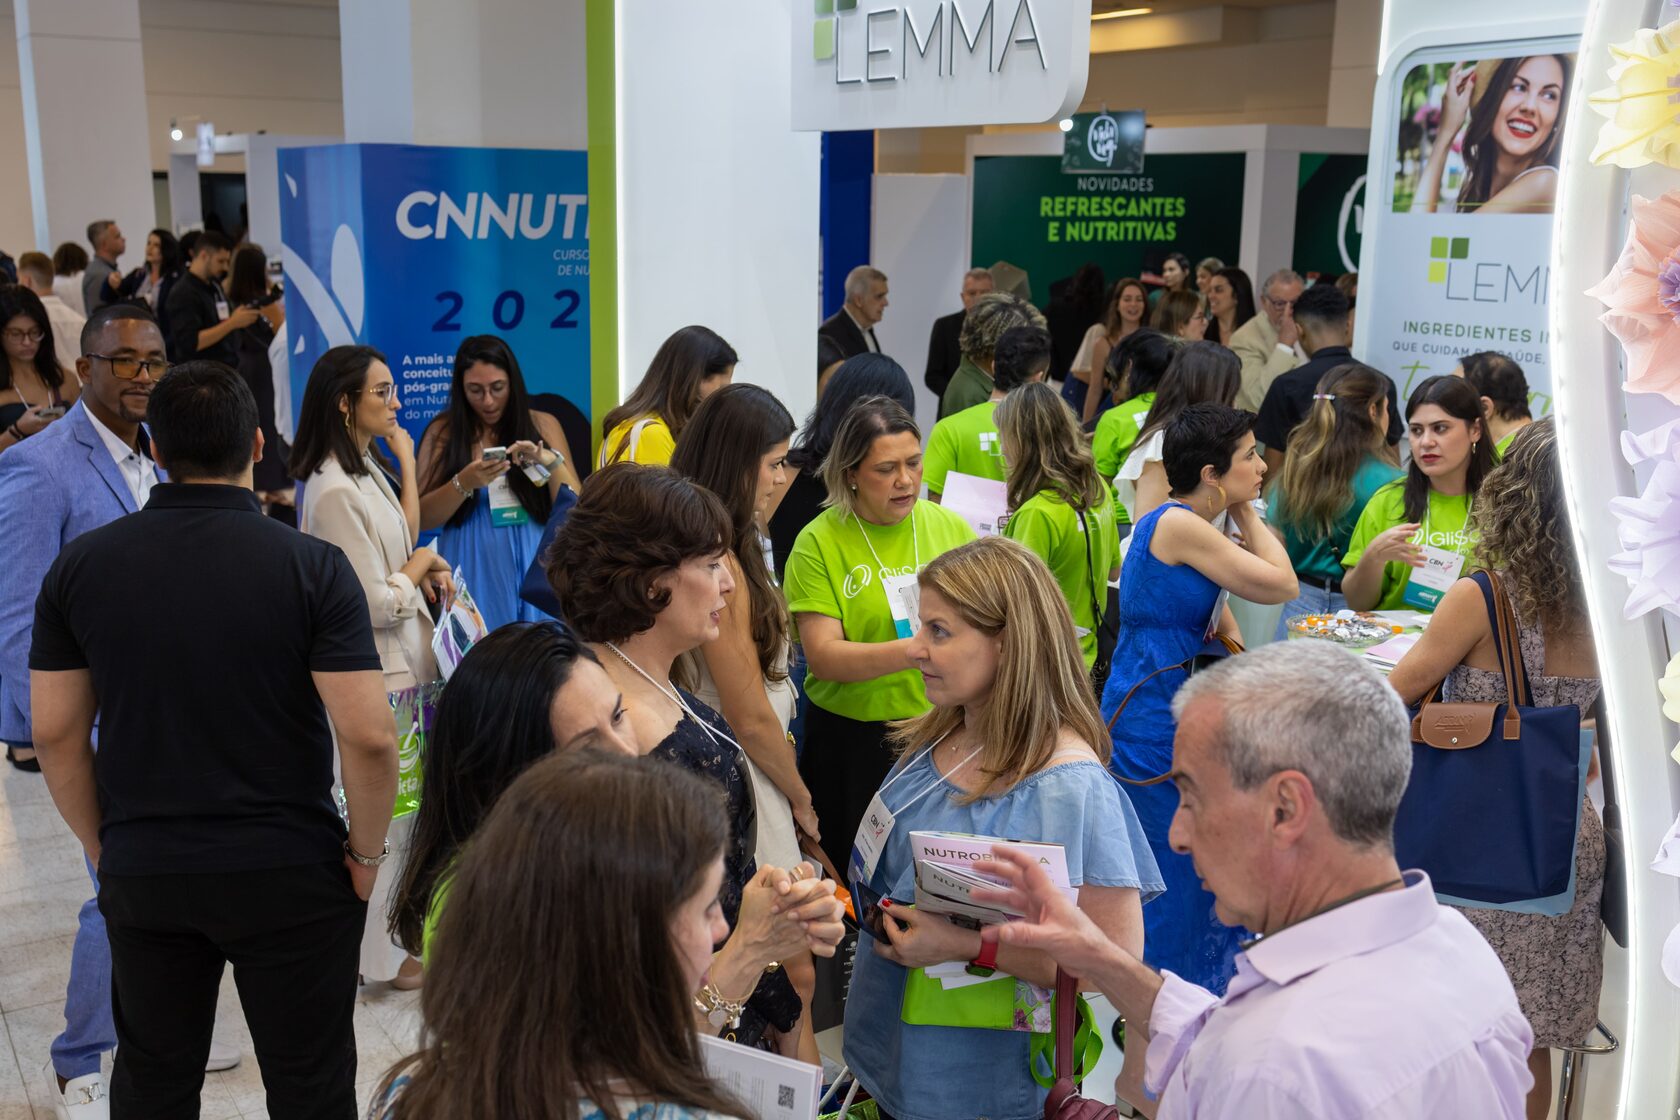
x,y
1649,525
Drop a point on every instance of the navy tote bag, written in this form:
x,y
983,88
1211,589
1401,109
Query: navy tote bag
x,y
1493,806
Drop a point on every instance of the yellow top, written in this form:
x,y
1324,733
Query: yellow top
x,y
642,439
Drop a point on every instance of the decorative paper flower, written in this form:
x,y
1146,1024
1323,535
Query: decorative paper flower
x,y
1649,529
1670,688
1641,296
1643,112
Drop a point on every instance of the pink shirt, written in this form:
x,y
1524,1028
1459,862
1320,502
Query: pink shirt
x,y
1392,1006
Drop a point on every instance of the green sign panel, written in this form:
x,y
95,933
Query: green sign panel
x,y
1329,214
1104,142
1028,213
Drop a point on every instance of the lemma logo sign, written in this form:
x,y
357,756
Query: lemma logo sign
x,y
1443,250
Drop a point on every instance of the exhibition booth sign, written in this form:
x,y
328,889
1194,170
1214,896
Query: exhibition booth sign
x,y
1467,212
412,249
1329,214
1027,212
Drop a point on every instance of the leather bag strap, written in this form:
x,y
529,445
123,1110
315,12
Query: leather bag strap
x,y
1067,1022
1508,648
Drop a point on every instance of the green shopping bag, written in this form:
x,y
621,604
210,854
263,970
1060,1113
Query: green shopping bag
x,y
415,711
1004,1003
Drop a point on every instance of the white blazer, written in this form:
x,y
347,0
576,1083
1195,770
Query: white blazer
x,y
362,515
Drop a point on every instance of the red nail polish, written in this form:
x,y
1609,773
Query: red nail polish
x,y
886,904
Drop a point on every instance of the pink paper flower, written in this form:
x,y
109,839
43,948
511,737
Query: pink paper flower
x,y
1641,296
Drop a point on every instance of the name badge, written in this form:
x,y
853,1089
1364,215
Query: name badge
x,y
504,504
1441,568
871,839
904,599
222,311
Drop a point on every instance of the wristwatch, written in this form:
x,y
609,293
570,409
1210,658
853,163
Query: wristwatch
x,y
375,861
986,963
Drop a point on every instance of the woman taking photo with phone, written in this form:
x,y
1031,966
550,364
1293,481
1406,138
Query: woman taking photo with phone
x,y
490,467
1414,538
851,588
1013,747
1179,571
348,499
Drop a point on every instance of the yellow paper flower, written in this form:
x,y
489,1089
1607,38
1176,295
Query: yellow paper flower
x,y
1670,688
1643,108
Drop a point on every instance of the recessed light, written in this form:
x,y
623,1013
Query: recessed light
x,y
1122,13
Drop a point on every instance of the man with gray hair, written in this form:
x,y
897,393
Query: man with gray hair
x,y
102,278
945,340
850,331
1362,996
1267,343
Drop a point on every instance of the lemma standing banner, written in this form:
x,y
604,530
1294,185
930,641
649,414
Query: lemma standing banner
x,y
1465,210
412,249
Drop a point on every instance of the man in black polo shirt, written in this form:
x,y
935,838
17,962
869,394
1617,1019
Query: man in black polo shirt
x,y
211,644
198,314
1322,316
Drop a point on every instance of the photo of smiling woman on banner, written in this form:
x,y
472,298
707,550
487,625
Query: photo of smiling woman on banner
x,y
1482,136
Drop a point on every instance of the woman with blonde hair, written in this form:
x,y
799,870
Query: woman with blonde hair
x,y
1013,747
1338,458
1059,505
1556,963
1181,314
1128,307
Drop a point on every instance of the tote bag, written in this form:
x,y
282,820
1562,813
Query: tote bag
x,y
1493,806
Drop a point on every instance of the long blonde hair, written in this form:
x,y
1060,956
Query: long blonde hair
x,y
1328,447
1049,452
1003,589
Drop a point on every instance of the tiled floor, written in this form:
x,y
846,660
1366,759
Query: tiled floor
x,y
42,884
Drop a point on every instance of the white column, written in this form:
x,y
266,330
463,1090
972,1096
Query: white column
x,y
84,116
490,73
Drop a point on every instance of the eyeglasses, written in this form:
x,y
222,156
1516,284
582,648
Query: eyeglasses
x,y
127,369
383,392
29,335
1279,304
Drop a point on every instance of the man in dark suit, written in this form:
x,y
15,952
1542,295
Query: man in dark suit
x,y
850,331
944,345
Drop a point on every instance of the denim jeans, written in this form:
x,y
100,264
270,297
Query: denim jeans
x,y
1311,600
88,1029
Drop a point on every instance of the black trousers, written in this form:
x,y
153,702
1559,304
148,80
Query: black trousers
x,y
293,936
843,763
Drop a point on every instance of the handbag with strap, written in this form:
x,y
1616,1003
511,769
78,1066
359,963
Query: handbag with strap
x,y
1064,1101
1213,651
1493,807
1106,637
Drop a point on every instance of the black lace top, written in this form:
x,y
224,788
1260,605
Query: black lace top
x,y
719,759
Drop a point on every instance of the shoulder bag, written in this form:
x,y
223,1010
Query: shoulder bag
x,y
1493,806
1064,1101
1213,651
1107,637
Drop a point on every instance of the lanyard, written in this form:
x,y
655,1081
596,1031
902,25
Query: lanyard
x,y
676,698
905,808
1469,507
880,569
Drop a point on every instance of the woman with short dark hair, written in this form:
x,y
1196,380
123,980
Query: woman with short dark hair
x,y
1179,571
639,572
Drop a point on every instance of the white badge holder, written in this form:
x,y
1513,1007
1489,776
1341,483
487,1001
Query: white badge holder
x,y
1441,569
504,503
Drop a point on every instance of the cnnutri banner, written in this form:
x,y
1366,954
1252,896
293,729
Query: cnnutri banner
x,y
1468,216
411,249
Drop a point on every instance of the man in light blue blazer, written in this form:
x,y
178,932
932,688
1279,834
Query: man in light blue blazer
x,y
83,471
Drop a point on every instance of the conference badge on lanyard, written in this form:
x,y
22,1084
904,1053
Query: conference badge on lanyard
x,y
904,594
1441,569
504,503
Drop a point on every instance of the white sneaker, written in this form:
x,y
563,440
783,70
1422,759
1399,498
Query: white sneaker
x,y
223,1056
83,1098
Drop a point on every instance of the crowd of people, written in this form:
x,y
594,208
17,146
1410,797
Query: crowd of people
x,y
766,653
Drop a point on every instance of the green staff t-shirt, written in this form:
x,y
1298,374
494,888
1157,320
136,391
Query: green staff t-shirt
x,y
831,571
1050,527
1444,526
1116,434
966,442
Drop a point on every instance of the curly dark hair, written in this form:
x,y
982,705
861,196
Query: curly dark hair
x,y
631,525
1523,522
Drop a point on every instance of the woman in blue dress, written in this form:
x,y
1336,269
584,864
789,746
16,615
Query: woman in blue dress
x,y
1013,747
491,511
1173,586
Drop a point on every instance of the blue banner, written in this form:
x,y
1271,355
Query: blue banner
x,y
411,249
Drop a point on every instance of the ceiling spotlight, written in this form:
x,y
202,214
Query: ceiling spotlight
x,y
1122,13
175,132
1065,124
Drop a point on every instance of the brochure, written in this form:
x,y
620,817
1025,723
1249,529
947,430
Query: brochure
x,y
458,629
950,865
771,1086
982,502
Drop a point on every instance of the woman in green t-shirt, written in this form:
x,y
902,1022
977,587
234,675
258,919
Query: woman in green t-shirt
x,y
1413,540
1338,458
1059,506
851,588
